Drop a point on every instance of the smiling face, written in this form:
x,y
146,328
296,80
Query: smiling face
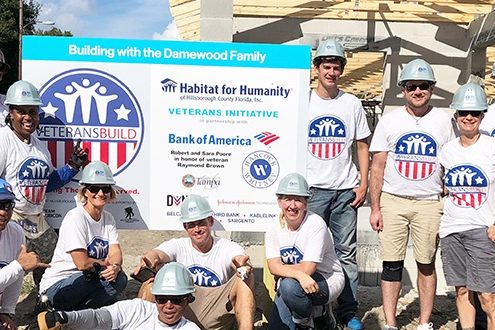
x,y
24,119
170,312
417,93
200,233
329,73
97,198
294,209
469,122
6,207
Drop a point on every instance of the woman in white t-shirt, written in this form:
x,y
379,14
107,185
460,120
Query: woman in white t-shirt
x,y
301,255
86,269
467,230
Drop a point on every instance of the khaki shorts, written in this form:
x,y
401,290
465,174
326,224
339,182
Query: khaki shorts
x,y
403,216
212,308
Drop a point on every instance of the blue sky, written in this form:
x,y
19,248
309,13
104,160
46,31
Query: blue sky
x,y
134,19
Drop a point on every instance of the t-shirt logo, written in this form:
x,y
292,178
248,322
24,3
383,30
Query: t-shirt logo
x,y
467,185
204,276
291,255
32,179
98,248
416,156
326,137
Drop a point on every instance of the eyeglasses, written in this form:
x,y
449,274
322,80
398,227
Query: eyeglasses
x,y
7,205
176,300
465,113
94,189
412,87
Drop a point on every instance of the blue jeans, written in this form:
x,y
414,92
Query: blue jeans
x,y
291,302
333,206
75,292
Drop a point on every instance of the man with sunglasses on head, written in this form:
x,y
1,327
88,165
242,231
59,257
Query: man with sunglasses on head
x,y
15,261
26,162
173,291
406,188
222,273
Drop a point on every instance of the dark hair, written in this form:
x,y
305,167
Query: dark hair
x,y
317,61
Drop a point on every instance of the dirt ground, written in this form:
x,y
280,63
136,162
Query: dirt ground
x,y
135,243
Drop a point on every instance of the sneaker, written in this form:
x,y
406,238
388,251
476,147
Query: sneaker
x,y
43,304
355,324
389,327
425,326
51,320
325,320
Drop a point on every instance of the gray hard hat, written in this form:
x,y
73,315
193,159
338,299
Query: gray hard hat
x,y
97,172
195,208
293,184
470,96
331,48
173,279
417,69
22,93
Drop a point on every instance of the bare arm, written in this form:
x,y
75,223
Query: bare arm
x,y
376,184
363,156
113,263
82,261
153,259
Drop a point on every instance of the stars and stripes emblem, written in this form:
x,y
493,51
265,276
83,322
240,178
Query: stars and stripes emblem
x,y
416,156
204,276
95,107
266,137
326,137
467,185
32,179
98,248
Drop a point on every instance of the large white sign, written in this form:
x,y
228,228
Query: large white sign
x,y
172,118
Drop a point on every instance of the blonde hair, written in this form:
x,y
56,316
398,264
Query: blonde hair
x,y
81,195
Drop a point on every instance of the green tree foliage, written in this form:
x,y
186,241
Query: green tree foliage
x,y
9,33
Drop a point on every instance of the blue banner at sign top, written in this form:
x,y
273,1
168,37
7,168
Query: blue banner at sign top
x,y
166,52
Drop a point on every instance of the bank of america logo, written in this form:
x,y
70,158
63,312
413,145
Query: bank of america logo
x,y
266,137
168,85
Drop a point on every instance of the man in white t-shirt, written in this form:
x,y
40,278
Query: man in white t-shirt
x,y
406,187
336,120
221,270
14,259
173,290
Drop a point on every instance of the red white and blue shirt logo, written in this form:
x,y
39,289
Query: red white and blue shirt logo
x,y
467,185
32,179
416,156
204,276
95,107
326,137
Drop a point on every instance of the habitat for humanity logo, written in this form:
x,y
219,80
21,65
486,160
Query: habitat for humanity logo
x,y
95,107
266,137
260,169
171,86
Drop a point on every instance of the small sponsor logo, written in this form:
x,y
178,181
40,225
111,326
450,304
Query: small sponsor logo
x,y
266,137
260,169
188,180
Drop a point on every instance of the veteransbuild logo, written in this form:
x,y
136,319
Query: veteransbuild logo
x,y
260,169
95,107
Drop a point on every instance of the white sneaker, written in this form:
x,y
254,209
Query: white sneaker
x,y
389,327
425,326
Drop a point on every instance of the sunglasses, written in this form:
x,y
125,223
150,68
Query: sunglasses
x,y
94,189
199,223
465,113
7,205
176,300
412,87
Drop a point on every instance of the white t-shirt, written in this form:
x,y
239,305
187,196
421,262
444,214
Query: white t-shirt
x,y
413,146
210,269
138,314
79,231
11,272
487,125
333,125
311,242
27,168
470,179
